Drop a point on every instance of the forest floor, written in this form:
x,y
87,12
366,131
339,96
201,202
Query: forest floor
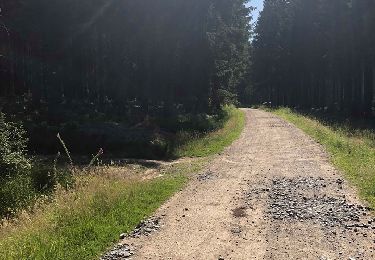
x,y
273,194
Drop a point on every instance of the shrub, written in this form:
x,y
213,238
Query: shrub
x,y
16,193
13,142
22,180
16,187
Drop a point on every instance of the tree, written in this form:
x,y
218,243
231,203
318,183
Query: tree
x,y
163,53
316,54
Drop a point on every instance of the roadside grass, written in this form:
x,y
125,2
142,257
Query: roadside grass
x,y
85,221
352,150
215,142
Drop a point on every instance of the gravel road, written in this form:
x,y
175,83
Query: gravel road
x,y
272,195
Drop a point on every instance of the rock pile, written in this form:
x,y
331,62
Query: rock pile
x,y
303,199
146,227
124,251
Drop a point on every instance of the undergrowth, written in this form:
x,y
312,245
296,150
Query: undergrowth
x,y
23,179
148,136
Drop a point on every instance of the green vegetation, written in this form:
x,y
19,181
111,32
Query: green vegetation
x,y
156,137
352,151
15,185
12,148
232,125
83,222
22,179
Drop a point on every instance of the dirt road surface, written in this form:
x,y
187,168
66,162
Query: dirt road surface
x,y
272,195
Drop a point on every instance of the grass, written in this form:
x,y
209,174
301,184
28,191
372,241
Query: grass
x,y
352,150
215,142
84,222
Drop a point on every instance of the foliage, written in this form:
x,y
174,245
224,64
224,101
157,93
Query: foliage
x,y
16,188
16,193
22,190
13,142
45,177
23,180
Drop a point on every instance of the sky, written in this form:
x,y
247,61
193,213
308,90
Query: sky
x,y
259,5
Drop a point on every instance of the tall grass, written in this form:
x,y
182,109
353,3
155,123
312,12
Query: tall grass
x,y
352,150
82,224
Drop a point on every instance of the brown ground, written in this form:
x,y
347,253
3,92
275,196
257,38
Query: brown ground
x,y
248,204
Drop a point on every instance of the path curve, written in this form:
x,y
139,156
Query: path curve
x,y
272,195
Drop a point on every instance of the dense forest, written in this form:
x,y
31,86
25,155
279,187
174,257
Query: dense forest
x,y
316,54
168,54
66,65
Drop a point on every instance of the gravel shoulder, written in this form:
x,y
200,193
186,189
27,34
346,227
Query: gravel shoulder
x,y
272,195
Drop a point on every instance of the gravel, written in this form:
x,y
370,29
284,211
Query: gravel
x,y
146,227
304,199
119,252
206,176
125,251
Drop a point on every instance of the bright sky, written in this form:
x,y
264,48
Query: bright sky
x,y
259,5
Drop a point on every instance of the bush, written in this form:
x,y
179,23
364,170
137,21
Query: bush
x,y
13,143
22,180
16,187
16,193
